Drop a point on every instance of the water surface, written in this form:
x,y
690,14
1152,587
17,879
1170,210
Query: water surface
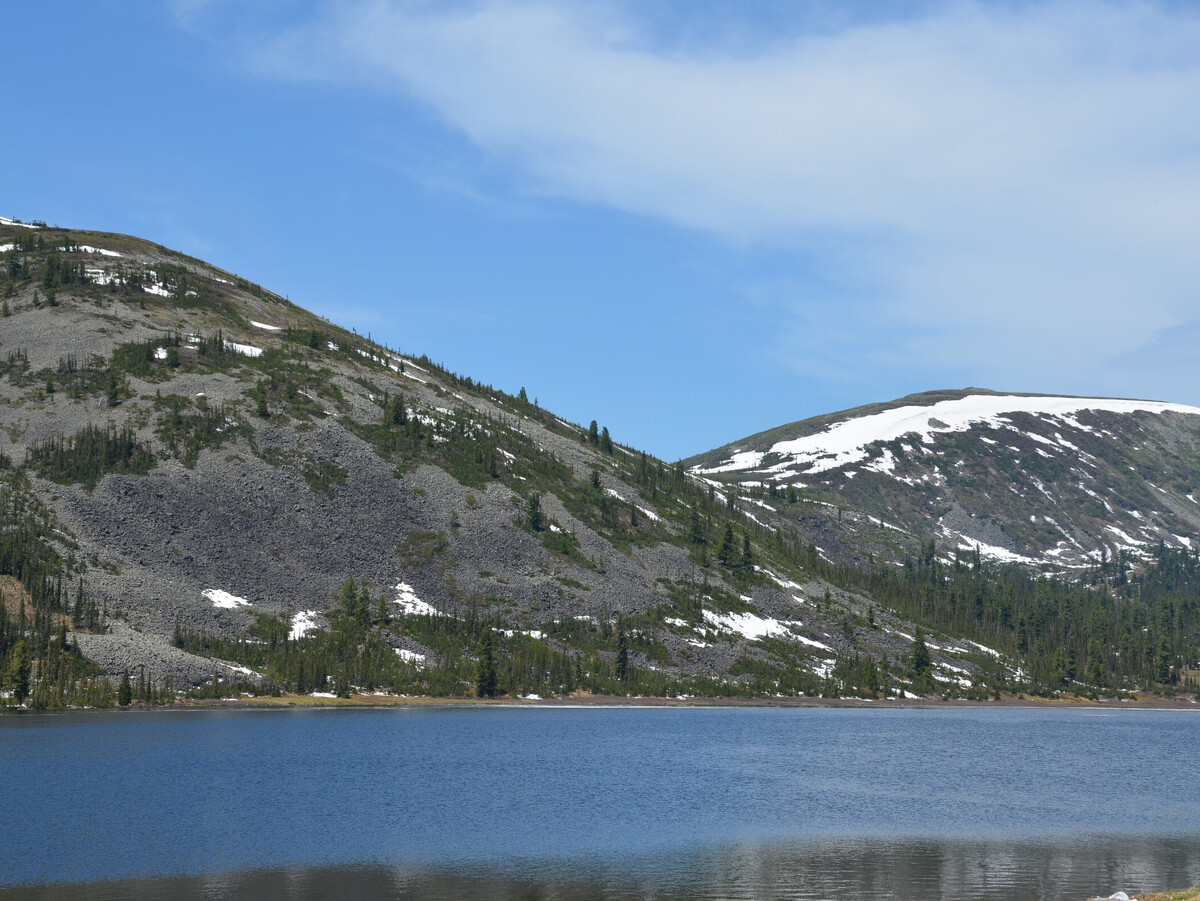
x,y
605,803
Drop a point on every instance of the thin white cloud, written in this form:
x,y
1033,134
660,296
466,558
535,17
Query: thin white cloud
x,y
1020,184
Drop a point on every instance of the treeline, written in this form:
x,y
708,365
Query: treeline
x,y
474,655
1090,635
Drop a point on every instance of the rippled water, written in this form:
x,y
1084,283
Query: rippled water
x,y
599,803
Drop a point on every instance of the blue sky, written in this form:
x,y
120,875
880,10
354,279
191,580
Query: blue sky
x,y
688,221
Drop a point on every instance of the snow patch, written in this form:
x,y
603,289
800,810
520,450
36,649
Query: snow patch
x,y
532,633
412,657
885,464
264,325
303,623
406,598
85,248
995,553
246,350
749,626
224,600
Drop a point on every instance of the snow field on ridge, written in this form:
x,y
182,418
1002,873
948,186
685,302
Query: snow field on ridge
x,y
846,442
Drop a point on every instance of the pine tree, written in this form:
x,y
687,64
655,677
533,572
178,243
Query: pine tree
x,y
397,411
18,671
606,443
125,690
594,433
534,514
726,551
747,562
348,597
485,676
622,655
921,664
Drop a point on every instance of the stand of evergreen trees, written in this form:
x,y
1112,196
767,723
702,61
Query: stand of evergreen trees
x,y
39,664
1119,627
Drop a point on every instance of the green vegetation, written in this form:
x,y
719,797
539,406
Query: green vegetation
x,y
186,425
38,665
1118,627
90,454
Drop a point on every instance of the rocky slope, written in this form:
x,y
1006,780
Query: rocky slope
x,y
289,455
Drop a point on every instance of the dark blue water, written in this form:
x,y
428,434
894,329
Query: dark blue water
x,y
602,802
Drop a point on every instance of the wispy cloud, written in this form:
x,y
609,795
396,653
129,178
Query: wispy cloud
x,y
1018,185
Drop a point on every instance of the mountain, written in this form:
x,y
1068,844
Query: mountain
x,y
1060,482
214,491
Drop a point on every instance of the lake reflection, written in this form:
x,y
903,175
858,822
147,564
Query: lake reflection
x,y
857,869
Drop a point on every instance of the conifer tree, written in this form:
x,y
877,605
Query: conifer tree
x,y
485,676
921,663
18,671
125,690
534,514
726,551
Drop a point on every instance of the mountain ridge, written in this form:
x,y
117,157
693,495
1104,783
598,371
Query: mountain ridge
x,y
982,428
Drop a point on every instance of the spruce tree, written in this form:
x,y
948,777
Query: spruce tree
x,y
726,551
125,690
485,675
921,663
534,515
18,671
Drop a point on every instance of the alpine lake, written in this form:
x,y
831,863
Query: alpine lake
x,y
599,803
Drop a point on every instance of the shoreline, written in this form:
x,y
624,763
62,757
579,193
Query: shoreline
x,y
382,701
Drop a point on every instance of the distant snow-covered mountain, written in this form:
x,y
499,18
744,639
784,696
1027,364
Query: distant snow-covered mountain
x,y
1031,478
